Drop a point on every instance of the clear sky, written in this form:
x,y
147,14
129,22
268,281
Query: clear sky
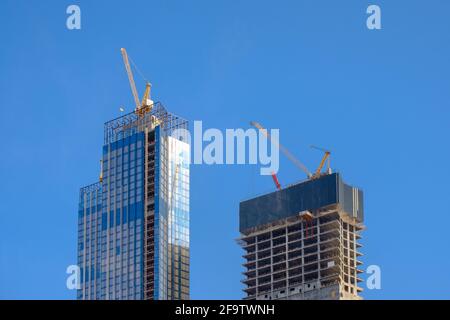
x,y
380,100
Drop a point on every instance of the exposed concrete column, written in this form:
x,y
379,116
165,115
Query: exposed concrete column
x,y
286,255
256,266
318,249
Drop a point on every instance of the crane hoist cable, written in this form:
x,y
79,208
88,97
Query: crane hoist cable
x,y
138,70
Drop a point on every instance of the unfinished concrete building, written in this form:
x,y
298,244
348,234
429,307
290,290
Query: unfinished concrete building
x,y
301,242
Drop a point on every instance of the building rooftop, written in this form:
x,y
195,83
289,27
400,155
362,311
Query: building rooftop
x,y
131,122
307,195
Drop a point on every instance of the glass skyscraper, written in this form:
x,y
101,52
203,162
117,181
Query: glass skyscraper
x,y
133,225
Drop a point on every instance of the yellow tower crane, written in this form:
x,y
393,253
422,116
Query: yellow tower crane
x,y
286,152
301,166
325,157
146,104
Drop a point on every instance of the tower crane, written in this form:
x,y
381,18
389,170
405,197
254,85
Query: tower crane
x,y
146,104
301,166
286,152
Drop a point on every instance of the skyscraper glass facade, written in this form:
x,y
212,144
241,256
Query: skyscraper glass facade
x,y
89,240
172,219
133,229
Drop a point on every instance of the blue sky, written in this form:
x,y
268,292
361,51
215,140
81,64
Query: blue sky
x,y
378,99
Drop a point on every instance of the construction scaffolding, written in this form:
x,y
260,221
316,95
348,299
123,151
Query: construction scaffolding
x,y
132,122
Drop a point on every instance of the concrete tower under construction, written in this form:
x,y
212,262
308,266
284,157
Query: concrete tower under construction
x,y
301,242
